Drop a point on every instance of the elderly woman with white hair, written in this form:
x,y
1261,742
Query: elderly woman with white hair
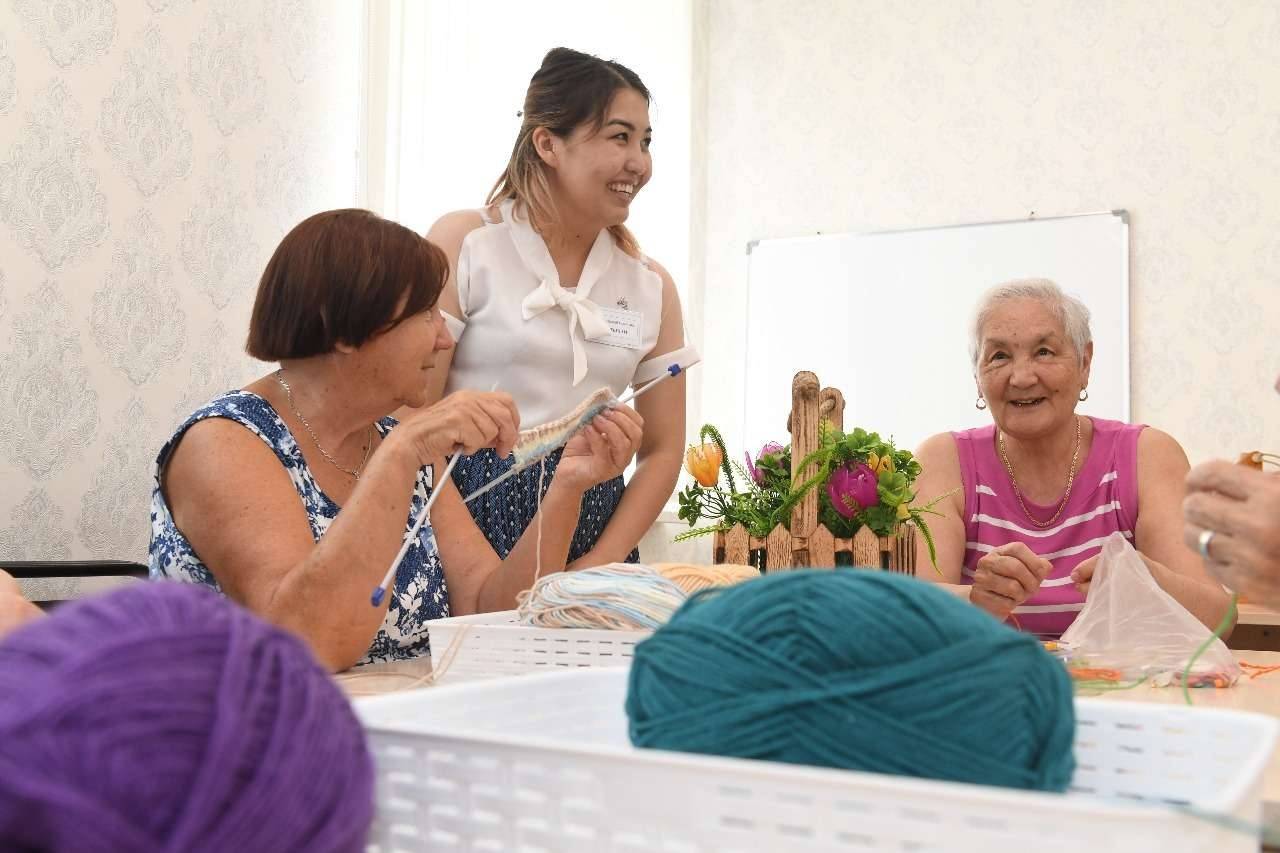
x,y
1034,495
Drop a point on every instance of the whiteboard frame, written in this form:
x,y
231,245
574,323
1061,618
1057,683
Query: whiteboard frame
x,y
1120,214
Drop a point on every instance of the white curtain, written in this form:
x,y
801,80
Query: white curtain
x,y
446,79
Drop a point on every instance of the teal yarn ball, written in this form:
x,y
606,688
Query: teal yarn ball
x,y
855,669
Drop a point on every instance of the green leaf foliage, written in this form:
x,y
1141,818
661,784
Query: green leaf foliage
x,y
762,505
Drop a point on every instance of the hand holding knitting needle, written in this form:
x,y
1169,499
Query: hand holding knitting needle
x,y
619,454
543,439
466,420
463,422
602,449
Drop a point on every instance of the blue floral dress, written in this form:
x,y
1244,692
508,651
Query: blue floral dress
x,y
505,511
420,594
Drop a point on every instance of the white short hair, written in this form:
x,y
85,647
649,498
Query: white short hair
x,y
1070,311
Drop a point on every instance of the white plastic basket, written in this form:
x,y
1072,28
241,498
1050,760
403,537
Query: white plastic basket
x,y
495,644
543,765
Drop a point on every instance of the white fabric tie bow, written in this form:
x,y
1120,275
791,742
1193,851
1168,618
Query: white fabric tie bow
x,y
582,312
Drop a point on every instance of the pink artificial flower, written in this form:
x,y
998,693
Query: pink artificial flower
x,y
852,488
770,447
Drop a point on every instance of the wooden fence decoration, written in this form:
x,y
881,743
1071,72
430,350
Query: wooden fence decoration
x,y
809,544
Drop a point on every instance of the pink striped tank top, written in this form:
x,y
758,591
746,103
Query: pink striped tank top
x,y
1103,500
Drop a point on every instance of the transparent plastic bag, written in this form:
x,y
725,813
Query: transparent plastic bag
x,y
1131,629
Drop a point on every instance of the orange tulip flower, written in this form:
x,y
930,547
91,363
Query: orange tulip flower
x,y
703,462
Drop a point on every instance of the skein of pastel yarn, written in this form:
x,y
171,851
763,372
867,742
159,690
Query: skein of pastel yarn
x,y
692,577
855,669
163,717
617,596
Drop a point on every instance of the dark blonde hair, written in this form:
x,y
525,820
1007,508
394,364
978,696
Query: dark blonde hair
x,y
569,89
340,277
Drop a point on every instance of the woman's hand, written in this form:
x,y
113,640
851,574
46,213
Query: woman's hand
x,y
470,420
602,449
1006,577
15,611
1082,575
1241,505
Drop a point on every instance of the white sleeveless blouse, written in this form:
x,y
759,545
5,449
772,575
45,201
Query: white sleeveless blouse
x,y
539,340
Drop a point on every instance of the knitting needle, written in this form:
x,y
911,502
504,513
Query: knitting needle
x,y
672,370
380,591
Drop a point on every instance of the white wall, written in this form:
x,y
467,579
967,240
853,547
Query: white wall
x,y
831,115
151,157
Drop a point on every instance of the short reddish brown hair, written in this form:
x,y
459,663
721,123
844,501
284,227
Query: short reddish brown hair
x,y
340,277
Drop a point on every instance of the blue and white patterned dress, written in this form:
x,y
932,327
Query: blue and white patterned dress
x,y
420,594
505,511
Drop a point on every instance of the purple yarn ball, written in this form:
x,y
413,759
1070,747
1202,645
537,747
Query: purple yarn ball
x,y
163,717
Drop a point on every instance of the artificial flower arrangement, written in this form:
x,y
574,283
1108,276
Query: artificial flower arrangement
x,y
864,480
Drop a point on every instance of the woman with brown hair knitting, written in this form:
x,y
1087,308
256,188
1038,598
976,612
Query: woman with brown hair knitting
x,y
293,495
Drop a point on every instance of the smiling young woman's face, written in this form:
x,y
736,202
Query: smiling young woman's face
x,y
599,172
1028,370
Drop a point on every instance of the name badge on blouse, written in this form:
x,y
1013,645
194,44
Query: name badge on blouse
x,y
624,328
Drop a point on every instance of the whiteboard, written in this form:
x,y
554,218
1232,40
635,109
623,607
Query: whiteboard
x,y
885,318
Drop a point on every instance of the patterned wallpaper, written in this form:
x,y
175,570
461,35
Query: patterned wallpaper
x,y
151,156
835,115
152,152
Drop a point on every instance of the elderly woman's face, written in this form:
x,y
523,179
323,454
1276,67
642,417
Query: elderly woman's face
x,y
1028,370
397,360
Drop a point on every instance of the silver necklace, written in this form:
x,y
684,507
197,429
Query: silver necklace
x,y
368,445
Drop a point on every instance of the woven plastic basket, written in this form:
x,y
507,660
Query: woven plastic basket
x,y
543,764
492,645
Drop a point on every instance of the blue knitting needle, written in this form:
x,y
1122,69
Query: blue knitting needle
x,y
381,589
672,370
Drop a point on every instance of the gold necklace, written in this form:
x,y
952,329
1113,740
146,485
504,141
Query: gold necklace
x,y
368,446
1017,492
